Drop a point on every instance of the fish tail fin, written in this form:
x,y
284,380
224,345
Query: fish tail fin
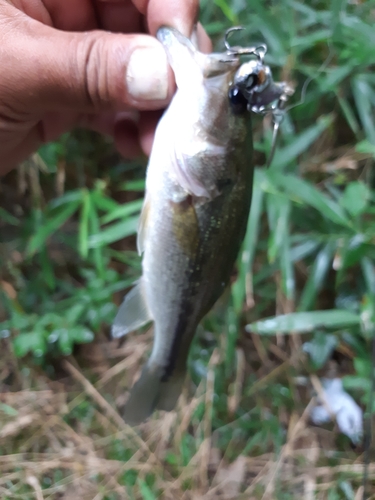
x,y
170,391
151,393
143,397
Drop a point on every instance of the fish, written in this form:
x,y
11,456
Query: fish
x,y
194,217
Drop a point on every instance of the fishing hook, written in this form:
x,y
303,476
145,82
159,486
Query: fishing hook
x,y
278,110
259,50
278,115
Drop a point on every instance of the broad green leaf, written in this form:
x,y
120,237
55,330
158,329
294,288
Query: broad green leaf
x,y
81,334
355,383
303,322
30,342
365,147
355,198
75,312
320,348
65,341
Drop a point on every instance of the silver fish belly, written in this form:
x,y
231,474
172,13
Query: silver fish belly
x,y
198,195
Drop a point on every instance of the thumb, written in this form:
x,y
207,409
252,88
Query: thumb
x,y
45,69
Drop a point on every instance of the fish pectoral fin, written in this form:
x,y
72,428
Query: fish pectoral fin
x,y
133,312
183,171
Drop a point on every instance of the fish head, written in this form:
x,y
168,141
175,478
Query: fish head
x,y
203,82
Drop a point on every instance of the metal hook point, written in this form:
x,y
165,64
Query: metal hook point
x,y
228,32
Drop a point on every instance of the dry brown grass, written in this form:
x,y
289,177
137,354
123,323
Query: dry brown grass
x,y
49,452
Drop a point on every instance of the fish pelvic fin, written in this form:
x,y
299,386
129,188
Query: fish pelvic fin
x,y
133,312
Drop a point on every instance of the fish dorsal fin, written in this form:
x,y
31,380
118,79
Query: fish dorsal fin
x,y
142,225
133,312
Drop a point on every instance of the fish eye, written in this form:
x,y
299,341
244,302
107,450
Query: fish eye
x,y
237,100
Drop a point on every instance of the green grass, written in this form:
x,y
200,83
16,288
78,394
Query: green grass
x,y
305,282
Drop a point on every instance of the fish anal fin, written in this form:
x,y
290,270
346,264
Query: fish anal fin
x,y
133,312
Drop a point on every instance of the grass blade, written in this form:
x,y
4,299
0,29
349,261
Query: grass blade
x,y
303,322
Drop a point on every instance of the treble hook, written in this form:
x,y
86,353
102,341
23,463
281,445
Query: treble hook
x,y
259,51
278,115
228,32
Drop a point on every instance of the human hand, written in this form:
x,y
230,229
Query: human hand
x,y
67,63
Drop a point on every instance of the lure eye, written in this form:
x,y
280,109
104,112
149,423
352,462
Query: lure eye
x,y
251,82
237,100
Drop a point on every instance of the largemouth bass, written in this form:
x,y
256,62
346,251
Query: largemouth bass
x,y
198,195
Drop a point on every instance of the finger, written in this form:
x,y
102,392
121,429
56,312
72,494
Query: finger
x,y
69,15
120,17
126,138
204,42
148,121
18,147
90,71
178,14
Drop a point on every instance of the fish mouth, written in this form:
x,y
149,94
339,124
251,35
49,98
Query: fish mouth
x,y
169,36
185,59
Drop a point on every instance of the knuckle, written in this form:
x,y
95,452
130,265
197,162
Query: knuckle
x,y
93,63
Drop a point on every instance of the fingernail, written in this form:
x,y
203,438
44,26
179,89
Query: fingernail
x,y
147,74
